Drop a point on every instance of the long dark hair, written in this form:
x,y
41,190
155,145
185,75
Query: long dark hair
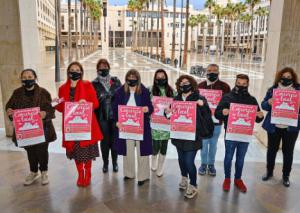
x,y
155,89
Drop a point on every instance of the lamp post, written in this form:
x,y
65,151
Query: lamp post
x,y
57,42
180,44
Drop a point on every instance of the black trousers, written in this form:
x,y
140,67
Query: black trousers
x,y
288,144
38,157
106,144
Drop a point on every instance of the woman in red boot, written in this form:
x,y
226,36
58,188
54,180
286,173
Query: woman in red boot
x,y
83,152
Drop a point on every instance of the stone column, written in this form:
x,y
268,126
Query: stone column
x,y
19,47
283,47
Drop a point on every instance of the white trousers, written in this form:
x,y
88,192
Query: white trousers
x,y
143,165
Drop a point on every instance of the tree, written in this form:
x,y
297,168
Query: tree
x,y
162,54
192,22
246,19
69,32
260,12
132,6
239,8
209,4
202,20
252,4
186,34
173,33
218,11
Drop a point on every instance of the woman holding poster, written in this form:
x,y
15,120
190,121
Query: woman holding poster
x,y
30,96
162,95
244,123
132,109
189,117
106,86
82,151
286,93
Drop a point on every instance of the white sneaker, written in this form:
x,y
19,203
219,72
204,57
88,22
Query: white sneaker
x,y
184,183
44,178
32,177
154,163
160,168
191,192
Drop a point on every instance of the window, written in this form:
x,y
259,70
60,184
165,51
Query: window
x,y
62,20
119,12
119,23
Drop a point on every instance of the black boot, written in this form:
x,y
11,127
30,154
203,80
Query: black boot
x,y
286,181
115,167
105,168
267,176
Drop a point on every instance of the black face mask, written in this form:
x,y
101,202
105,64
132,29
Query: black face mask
x,y
103,72
132,83
212,77
75,76
28,83
286,81
161,82
241,90
186,88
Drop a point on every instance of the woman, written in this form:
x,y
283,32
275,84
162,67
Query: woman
x,y
285,79
160,138
134,93
28,96
83,152
106,86
187,89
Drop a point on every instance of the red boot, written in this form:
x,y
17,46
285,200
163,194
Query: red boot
x,y
226,184
88,173
240,184
80,170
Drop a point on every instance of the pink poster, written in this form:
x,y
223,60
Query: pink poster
x,y
78,121
131,123
158,119
183,120
28,126
285,107
213,98
241,122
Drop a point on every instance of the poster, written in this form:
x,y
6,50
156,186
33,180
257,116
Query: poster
x,y
285,107
28,126
158,119
78,121
131,122
241,122
213,98
183,120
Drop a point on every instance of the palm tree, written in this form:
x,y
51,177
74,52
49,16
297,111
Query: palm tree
x,y
218,11
209,4
173,33
152,23
260,12
239,8
231,15
202,20
162,54
186,34
61,56
193,22
157,32
246,19
69,31
132,8
76,31
252,4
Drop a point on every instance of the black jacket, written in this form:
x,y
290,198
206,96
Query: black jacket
x,y
105,98
233,97
186,145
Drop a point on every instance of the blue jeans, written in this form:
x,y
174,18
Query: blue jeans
x,y
241,150
209,147
187,165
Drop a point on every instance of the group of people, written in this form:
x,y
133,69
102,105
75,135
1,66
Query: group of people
x,y
106,93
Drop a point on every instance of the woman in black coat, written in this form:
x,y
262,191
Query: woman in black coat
x,y
106,86
187,89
